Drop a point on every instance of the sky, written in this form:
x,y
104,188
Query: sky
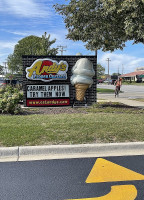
x,y
21,18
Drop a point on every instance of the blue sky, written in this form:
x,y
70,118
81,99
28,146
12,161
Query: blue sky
x,y
21,18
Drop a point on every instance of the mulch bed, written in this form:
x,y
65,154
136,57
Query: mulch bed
x,y
70,110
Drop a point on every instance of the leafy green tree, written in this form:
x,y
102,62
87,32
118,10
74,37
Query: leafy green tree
x,y
14,62
46,44
116,74
31,45
100,71
28,46
104,24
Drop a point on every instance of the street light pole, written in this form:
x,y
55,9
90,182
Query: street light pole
x,y
108,65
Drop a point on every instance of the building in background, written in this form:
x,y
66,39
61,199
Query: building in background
x,y
136,76
139,69
2,77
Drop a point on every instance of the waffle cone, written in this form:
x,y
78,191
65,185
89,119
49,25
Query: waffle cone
x,y
80,91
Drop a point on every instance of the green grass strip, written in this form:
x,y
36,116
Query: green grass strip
x,y
70,128
102,90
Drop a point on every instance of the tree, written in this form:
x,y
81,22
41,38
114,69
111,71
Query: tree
x,y
1,69
14,62
31,45
46,44
116,74
100,71
104,24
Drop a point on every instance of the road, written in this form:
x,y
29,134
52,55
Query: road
x,y
118,178
129,91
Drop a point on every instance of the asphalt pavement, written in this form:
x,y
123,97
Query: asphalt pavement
x,y
127,101
129,96
107,178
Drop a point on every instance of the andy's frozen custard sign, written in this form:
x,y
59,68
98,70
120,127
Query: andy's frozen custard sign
x,y
47,70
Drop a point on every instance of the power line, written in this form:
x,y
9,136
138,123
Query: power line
x,y
61,48
118,70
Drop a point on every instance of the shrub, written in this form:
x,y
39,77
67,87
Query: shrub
x,y
10,98
2,91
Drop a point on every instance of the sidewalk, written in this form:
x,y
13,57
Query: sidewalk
x,y
127,101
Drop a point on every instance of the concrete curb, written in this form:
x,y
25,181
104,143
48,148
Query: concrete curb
x,y
70,151
8,151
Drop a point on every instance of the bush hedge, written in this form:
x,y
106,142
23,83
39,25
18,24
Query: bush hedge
x,y
9,100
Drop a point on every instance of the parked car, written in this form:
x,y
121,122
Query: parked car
x,y
106,81
2,83
9,82
109,82
100,81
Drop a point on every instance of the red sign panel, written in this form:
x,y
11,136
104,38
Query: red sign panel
x,y
48,102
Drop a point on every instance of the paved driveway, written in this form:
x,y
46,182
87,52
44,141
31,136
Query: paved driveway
x,y
130,92
74,179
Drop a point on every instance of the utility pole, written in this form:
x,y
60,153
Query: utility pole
x,y
108,65
61,49
122,69
118,71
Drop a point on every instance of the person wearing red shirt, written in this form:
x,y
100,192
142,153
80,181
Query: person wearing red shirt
x,y
118,84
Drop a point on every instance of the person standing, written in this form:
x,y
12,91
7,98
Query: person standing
x,y
118,84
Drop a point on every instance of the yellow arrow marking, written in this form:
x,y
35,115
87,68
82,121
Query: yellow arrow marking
x,y
106,171
119,192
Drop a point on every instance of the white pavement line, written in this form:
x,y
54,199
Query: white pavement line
x,y
70,151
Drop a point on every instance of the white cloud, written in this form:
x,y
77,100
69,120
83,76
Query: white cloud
x,y
6,48
120,62
20,33
7,45
24,8
60,35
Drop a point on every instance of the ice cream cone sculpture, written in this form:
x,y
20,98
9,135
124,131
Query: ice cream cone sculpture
x,y
82,77
80,91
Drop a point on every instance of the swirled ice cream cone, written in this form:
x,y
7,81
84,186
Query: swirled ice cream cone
x,y
82,77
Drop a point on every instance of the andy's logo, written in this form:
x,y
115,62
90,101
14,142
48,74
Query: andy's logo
x,y
47,70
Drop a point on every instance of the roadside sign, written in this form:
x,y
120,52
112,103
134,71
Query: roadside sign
x,y
50,81
141,76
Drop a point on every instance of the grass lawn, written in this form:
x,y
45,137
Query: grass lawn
x,y
103,122
139,99
103,90
133,83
